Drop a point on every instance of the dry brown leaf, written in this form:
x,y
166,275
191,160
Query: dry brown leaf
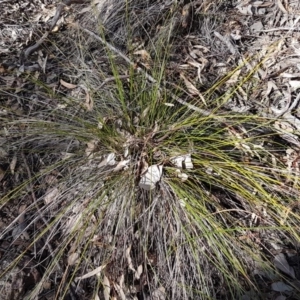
x,y
91,146
2,69
47,284
144,54
13,164
194,64
186,15
196,53
55,28
106,286
21,209
120,291
129,260
51,195
281,7
89,103
97,271
204,49
191,88
73,259
67,85
143,165
234,78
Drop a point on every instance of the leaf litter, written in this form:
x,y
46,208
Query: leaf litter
x,y
207,55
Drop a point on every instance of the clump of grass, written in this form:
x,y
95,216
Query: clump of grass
x,y
192,239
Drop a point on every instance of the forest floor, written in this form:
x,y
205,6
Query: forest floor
x,y
206,92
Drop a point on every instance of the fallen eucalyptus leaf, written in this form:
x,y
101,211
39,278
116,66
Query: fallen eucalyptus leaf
x,y
280,286
67,85
73,258
106,285
281,263
51,195
96,271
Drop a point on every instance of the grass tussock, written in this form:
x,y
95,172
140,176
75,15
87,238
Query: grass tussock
x,y
201,233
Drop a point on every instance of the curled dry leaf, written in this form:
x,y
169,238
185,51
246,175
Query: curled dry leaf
x,y
234,78
191,88
67,85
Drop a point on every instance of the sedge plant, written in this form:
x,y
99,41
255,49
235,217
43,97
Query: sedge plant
x,y
92,230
